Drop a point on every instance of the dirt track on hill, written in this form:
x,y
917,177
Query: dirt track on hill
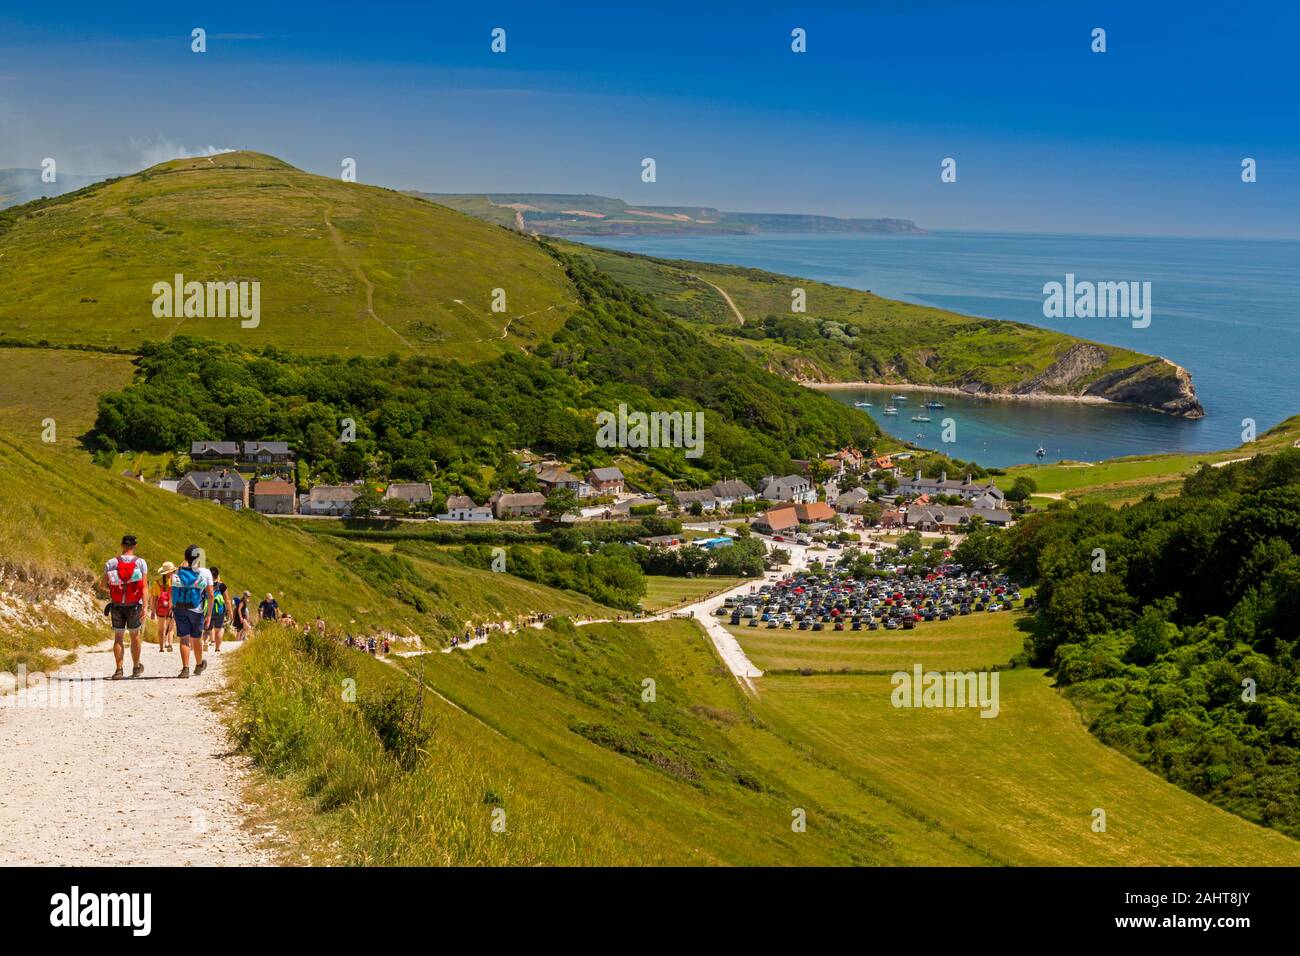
x,y
150,781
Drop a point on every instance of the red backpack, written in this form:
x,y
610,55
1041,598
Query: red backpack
x,y
129,592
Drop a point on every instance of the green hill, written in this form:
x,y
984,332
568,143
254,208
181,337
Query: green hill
x,y
343,268
847,335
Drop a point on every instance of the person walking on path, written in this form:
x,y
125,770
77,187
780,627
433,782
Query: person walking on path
x,y
161,611
191,607
216,613
126,578
269,609
240,623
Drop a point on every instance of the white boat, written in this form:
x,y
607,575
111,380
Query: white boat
x,y
900,398
891,410
934,404
920,418
862,404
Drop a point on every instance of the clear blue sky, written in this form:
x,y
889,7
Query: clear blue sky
x,y
1144,139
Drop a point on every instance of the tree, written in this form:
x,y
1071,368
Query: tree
x,y
367,501
1021,489
562,501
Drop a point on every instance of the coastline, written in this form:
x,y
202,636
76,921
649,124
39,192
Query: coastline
x,y
965,393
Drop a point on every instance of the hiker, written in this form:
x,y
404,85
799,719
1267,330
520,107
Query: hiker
x,y
269,609
191,607
239,622
216,628
126,578
386,647
161,611
320,624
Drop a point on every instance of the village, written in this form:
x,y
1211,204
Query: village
x,y
851,490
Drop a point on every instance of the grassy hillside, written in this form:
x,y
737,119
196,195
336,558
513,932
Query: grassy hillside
x,y
344,268
850,335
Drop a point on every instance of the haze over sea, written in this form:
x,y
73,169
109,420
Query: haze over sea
x,y
1226,310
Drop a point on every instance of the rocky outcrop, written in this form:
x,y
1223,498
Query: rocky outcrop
x,y
1159,384
1076,364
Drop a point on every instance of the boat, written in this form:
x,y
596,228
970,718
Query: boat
x,y
934,404
891,410
1041,452
862,404
900,398
920,418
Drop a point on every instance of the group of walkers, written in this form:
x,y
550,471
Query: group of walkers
x,y
191,604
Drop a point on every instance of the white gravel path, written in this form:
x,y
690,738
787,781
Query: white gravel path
x,y
150,781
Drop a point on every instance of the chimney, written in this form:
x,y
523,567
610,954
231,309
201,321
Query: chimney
x,y
943,476
918,475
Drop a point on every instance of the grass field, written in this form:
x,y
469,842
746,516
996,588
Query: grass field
x,y
344,268
1022,785
978,640
664,591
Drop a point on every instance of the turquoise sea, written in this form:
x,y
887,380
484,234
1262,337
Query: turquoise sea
x,y
1226,310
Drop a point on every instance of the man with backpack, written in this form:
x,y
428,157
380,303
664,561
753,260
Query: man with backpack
x,y
126,578
191,609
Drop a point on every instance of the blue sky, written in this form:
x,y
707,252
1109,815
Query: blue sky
x,y
1146,138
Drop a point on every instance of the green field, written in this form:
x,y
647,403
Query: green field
x,y
344,268
977,640
664,591
1023,785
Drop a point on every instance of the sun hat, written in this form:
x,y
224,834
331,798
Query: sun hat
x,y
167,568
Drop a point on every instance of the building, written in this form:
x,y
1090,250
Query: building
x,y
686,500
511,505
554,477
814,512
624,506
333,500
414,493
606,481
214,450
272,496
793,488
891,518
462,508
730,492
266,453
777,520
668,541
943,485
226,486
850,502
950,519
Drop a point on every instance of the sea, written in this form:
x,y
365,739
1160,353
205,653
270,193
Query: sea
x,y
1226,310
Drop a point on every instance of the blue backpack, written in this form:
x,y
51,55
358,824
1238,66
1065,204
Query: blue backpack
x,y
187,588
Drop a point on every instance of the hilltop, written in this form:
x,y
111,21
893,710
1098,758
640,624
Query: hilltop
x,y
555,214
343,268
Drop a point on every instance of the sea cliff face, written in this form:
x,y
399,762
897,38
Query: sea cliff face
x,y
1161,385
1158,384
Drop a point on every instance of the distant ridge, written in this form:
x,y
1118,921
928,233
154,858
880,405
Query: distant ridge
x,y
18,186
567,214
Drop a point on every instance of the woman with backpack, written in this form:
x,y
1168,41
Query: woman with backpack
x,y
161,609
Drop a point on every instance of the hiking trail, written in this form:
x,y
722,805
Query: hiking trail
x,y
152,780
